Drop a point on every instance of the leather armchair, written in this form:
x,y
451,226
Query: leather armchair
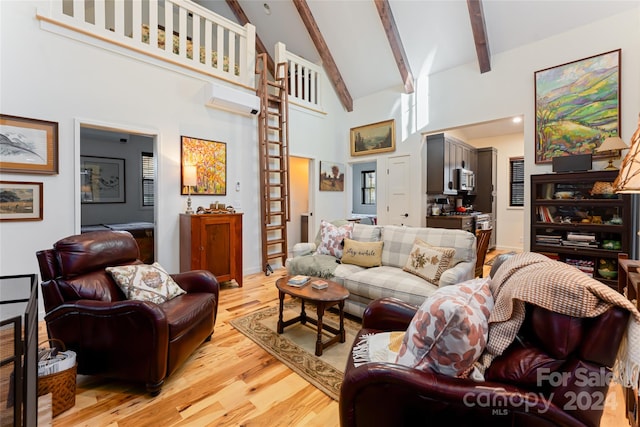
x,y
556,374
130,340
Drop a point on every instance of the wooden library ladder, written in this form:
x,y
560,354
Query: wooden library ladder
x,y
273,137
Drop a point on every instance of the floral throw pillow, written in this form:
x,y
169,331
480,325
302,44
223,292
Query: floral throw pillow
x,y
332,237
449,331
427,261
145,282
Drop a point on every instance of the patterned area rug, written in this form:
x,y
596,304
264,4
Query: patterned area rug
x,y
296,346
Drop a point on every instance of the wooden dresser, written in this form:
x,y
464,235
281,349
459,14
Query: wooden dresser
x,y
212,242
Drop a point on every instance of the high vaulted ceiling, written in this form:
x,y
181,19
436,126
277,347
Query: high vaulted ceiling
x,y
436,34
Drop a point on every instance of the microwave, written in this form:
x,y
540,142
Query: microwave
x,y
464,179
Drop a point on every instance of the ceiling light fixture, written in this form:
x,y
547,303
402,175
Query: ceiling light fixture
x,y
267,8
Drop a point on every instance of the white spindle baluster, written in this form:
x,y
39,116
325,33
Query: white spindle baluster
x,y
232,52
168,26
312,89
207,43
118,24
78,10
195,38
136,20
153,25
220,47
299,83
182,32
99,14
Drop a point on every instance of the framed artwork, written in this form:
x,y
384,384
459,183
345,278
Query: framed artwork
x,y
577,106
210,160
28,145
331,176
374,138
102,180
20,201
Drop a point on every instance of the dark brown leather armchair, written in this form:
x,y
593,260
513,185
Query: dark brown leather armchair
x,y
130,340
556,375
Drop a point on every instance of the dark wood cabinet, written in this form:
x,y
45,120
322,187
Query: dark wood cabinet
x,y
444,155
486,184
456,222
212,242
577,219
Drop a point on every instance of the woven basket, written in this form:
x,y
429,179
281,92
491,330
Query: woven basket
x,y
61,385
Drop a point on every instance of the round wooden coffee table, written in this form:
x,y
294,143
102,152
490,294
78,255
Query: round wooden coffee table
x,y
334,294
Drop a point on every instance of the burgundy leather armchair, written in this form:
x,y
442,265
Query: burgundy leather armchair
x,y
130,340
555,374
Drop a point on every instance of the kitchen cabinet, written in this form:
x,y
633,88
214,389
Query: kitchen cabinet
x,y
576,218
456,222
212,242
486,185
444,155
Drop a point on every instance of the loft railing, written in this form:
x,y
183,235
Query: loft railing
x,y
305,79
177,31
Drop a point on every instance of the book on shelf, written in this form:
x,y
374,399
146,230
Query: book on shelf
x,y
298,280
581,237
319,284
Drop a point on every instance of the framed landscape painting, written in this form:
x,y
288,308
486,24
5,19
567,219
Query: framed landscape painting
x,y
374,138
331,176
577,106
210,160
20,201
28,145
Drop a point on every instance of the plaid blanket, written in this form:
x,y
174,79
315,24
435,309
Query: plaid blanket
x,y
533,278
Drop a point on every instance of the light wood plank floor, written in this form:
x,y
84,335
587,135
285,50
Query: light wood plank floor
x,y
229,381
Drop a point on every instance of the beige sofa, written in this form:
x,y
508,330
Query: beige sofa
x,y
389,279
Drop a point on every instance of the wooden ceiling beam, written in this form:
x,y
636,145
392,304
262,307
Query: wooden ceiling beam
x,y
323,50
391,29
243,19
479,34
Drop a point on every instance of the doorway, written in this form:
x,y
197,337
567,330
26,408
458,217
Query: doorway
x,y
300,224
117,179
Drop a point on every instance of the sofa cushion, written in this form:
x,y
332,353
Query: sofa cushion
x,y
398,242
366,232
145,282
378,282
449,331
427,261
364,254
332,238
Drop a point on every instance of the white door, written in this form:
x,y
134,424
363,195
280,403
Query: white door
x,y
398,185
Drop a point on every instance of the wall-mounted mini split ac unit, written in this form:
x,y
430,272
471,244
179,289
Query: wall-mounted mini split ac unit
x,y
228,98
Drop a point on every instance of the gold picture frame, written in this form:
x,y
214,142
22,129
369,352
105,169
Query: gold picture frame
x,y
21,201
28,145
374,138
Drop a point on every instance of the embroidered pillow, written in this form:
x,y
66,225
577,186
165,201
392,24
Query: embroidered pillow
x,y
331,238
427,261
145,282
449,331
364,254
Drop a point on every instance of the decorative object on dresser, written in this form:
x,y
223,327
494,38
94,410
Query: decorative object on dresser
x,y
212,242
594,84
576,218
613,146
189,179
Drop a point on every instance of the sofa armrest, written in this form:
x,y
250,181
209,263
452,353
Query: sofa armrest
x,y
388,314
459,273
301,249
197,281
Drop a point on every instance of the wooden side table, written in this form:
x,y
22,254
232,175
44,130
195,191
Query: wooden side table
x,y
629,284
334,294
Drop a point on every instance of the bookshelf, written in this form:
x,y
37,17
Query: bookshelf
x,y
576,219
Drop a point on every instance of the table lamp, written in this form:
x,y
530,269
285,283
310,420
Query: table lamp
x,y
628,180
189,178
613,145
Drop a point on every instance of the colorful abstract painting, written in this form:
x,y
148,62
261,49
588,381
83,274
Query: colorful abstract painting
x,y
210,159
577,106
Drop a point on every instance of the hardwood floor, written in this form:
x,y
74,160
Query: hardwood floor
x,y
229,381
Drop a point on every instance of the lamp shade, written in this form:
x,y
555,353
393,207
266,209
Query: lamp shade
x,y
189,175
612,143
628,180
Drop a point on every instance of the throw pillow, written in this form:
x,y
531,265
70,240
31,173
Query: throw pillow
x,y
449,331
331,238
145,282
427,261
364,254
